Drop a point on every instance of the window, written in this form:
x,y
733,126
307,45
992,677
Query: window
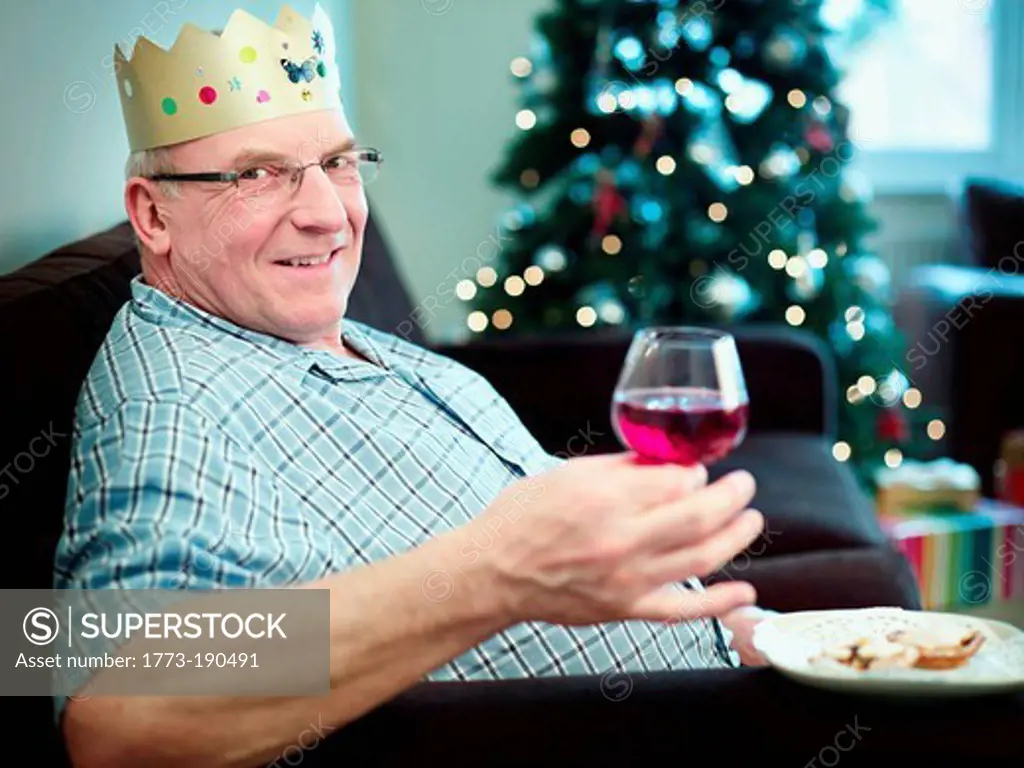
x,y
925,81
934,93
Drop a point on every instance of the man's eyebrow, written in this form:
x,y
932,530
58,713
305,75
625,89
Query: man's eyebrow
x,y
249,155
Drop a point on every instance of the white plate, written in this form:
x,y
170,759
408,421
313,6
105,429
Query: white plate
x,y
788,641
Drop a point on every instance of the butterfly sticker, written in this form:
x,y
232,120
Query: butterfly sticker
x,y
299,72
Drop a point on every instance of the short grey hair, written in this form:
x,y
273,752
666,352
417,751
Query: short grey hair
x,y
148,162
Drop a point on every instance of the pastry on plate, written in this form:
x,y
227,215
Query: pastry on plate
x,y
940,647
870,654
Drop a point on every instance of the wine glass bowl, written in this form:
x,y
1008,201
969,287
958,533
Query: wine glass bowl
x,y
681,397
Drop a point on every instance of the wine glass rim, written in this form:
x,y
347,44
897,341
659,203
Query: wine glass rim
x,y
694,332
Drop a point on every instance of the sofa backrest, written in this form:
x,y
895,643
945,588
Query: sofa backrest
x,y
992,220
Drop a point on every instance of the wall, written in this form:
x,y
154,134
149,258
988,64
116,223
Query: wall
x,y
62,135
915,230
435,94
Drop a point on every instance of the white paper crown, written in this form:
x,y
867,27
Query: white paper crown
x,y
208,83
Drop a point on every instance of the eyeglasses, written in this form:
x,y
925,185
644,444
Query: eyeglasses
x,y
354,166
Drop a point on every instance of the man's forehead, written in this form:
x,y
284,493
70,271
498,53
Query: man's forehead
x,y
299,137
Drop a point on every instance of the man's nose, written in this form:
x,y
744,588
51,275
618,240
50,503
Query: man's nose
x,y
318,204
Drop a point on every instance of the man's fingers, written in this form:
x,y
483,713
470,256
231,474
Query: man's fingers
x,y
697,516
672,604
651,485
711,554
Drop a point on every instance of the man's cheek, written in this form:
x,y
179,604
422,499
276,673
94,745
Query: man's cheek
x,y
357,210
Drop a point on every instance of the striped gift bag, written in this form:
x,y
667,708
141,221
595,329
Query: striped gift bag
x,y
963,560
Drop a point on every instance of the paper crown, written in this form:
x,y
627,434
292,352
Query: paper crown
x,y
208,83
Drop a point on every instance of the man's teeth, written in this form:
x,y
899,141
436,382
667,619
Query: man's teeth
x,y
308,262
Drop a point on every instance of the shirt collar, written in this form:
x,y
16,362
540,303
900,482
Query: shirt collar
x,y
160,308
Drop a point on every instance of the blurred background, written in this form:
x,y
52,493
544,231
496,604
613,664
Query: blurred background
x,y
934,94
841,167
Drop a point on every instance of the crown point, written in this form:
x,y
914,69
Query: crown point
x,y
287,13
192,38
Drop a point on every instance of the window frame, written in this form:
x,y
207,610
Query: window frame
x,y
906,171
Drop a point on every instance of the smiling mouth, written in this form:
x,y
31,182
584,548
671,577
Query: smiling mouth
x,y
310,262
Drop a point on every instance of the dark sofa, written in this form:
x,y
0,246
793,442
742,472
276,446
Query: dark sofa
x,y
822,547
960,322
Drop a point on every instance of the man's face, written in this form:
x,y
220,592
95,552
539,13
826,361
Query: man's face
x,y
229,254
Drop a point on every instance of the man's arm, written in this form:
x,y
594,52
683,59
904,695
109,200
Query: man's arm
x,y
385,636
597,539
606,541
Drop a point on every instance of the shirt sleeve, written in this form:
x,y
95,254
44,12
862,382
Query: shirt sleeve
x,y
156,496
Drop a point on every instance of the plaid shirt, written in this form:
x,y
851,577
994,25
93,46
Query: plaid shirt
x,y
207,455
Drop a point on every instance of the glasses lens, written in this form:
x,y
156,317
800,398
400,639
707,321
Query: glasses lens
x,y
266,183
359,166
368,170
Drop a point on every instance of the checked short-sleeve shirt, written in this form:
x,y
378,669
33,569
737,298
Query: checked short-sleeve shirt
x,y
207,455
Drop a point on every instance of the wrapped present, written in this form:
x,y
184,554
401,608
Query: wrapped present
x,y
942,485
1009,469
963,560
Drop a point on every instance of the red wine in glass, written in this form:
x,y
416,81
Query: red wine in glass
x,y
681,425
681,396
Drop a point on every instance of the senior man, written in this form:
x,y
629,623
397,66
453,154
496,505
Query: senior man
x,y
233,418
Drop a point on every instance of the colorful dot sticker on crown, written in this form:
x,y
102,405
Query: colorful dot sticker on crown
x,y
306,94
262,96
235,83
207,95
169,106
321,69
247,55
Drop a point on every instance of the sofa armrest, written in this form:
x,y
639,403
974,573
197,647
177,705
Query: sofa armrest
x,y
958,325
560,384
618,719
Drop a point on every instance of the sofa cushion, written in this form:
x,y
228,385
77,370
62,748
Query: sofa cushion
x,y
809,500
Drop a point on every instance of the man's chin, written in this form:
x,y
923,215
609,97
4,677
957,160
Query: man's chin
x,y
310,327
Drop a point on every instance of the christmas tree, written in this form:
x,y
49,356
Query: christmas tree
x,y
687,163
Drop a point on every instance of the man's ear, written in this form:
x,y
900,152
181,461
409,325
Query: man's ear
x,y
148,215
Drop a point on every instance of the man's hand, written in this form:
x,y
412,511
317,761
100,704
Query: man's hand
x,y
741,622
605,538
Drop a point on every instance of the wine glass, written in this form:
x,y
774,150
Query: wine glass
x,y
681,397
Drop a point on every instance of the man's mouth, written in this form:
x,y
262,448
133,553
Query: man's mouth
x,y
310,262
